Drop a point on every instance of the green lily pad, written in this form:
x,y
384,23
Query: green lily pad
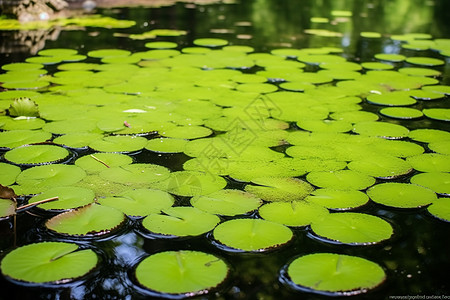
x,y
396,98
404,113
439,182
279,189
442,147
8,173
161,45
69,197
191,183
186,132
139,202
108,53
57,52
92,220
77,140
441,89
119,144
295,213
338,199
22,124
210,42
440,209
181,273
401,195
97,162
166,145
425,61
251,235
352,228
430,162
136,173
381,166
390,57
334,274
429,135
441,114
40,178
354,116
36,154
376,66
325,125
381,129
21,66
227,202
419,71
70,126
180,221
48,262
340,180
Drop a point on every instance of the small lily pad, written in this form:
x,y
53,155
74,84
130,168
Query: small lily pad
x,y
425,61
227,202
338,199
419,71
181,273
439,182
353,228
161,45
69,197
139,202
404,113
210,42
251,235
401,195
180,221
390,57
92,220
295,213
340,180
48,262
334,274
440,209
279,189
36,154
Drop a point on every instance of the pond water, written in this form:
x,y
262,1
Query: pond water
x,y
349,98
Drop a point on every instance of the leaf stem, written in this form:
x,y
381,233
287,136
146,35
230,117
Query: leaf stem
x,y
29,205
100,161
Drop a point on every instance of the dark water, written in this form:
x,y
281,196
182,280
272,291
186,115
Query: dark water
x,y
416,259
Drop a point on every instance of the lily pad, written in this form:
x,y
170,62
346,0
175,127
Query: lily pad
x,y
429,135
430,162
180,221
119,144
210,42
186,132
440,209
36,154
166,145
295,213
340,180
381,129
442,147
401,195
191,183
92,220
396,98
68,198
97,162
352,228
334,274
77,140
40,178
338,199
8,173
425,61
441,114
48,262
251,235
279,189
136,173
381,166
404,113
227,202
139,202
439,182
181,273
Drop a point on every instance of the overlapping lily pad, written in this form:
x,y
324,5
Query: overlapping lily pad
x,y
48,262
439,182
334,274
338,199
401,195
181,273
97,162
279,188
295,213
69,197
36,154
136,173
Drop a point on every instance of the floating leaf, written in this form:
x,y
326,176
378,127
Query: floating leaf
x,y
381,129
334,274
352,228
390,57
210,42
396,98
279,189
227,202
296,213
139,202
36,154
191,183
381,166
340,180
136,173
24,107
48,262
181,273
8,174
442,147
77,140
69,197
88,221
441,114
401,195
404,113
429,135
436,181
338,199
180,221
252,235
425,61
97,162
430,162
186,132
166,145
440,208
119,144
